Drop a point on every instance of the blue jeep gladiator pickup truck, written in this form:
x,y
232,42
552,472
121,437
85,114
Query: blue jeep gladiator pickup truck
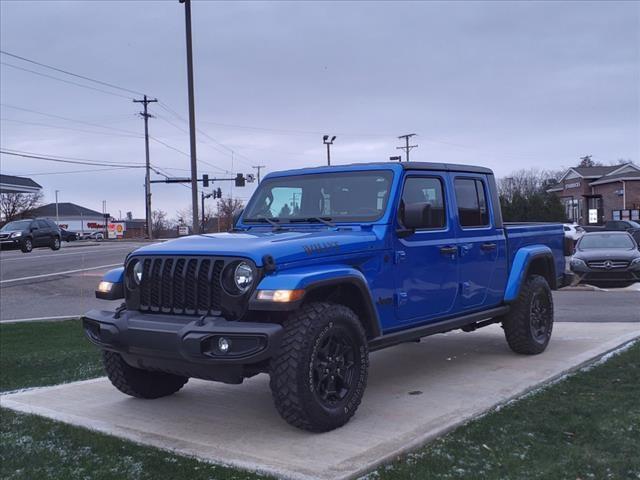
x,y
324,266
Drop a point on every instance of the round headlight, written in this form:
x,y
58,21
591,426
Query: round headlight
x,y
243,276
137,273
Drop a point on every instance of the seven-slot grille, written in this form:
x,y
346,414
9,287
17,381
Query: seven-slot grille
x,y
608,264
183,285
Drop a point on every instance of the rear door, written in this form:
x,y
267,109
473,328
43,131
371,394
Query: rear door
x,y
426,270
478,240
42,235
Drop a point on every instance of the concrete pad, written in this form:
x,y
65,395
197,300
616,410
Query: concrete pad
x,y
416,392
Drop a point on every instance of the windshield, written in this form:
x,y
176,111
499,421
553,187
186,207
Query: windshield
x,y
633,224
603,240
17,225
341,196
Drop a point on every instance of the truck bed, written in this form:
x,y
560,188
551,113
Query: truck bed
x,y
531,233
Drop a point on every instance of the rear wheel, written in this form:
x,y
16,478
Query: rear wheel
x,y
27,245
529,323
55,243
137,382
319,374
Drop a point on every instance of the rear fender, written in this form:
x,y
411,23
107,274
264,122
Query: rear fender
x,y
522,261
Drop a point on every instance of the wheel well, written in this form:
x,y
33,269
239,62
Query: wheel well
x,y
350,295
543,266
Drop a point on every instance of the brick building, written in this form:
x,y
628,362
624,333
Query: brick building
x,y
593,195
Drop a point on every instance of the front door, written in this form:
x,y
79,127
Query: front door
x,y
426,270
478,240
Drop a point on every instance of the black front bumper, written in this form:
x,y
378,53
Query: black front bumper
x,y
604,277
185,345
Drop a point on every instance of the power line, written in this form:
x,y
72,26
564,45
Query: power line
x,y
67,119
63,80
59,127
67,72
17,153
205,134
89,170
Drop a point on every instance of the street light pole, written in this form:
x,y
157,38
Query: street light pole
x,y
328,143
192,117
57,216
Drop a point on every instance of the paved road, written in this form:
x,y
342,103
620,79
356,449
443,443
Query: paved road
x,y
45,283
597,306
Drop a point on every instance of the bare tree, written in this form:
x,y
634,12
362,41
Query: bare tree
x,y
227,208
15,205
526,182
159,223
588,161
524,196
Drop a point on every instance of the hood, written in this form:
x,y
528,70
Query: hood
x,y
284,246
607,254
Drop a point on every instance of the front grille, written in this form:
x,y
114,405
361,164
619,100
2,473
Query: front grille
x,y
182,285
608,264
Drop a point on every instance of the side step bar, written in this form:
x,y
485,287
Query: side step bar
x,y
411,334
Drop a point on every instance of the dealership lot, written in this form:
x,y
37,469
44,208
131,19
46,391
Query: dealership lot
x,y
45,283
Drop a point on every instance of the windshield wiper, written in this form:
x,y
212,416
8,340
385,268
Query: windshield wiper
x,y
326,220
271,221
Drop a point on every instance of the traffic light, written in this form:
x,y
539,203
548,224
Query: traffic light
x,y
239,180
205,180
219,192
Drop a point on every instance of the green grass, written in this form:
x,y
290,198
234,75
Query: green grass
x,y
33,447
45,353
584,427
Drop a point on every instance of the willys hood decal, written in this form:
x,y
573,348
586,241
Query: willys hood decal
x,y
284,246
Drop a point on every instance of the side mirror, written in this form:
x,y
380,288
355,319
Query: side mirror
x,y
236,217
416,215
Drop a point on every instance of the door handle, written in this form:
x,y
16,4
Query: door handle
x,y
487,247
448,250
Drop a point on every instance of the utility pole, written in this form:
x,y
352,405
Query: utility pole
x,y
192,116
408,147
328,143
259,167
147,179
57,216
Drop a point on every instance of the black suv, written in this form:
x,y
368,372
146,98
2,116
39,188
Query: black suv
x,y
30,233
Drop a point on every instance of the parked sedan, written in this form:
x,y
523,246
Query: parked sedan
x,y
68,236
607,259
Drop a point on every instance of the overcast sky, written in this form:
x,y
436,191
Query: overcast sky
x,y
504,85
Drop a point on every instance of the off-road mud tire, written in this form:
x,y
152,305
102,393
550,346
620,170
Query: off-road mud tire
x,y
137,382
296,394
519,324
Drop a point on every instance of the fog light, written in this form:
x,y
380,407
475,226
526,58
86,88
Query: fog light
x,y
224,344
105,287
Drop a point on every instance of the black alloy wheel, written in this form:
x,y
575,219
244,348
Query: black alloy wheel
x,y
540,316
333,369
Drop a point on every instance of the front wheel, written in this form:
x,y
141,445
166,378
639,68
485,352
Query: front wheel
x,y
528,325
137,382
319,374
27,245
